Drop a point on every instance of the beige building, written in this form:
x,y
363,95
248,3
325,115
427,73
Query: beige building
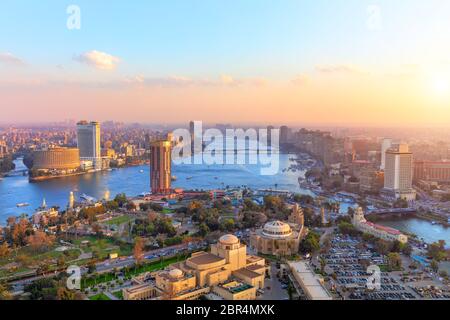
x,y
227,272
140,292
279,238
56,159
382,232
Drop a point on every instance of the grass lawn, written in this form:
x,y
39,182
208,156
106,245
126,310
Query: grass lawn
x,y
118,220
33,258
104,246
100,296
106,277
118,294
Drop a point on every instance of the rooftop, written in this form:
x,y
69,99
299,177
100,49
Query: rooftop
x,y
246,272
205,258
310,282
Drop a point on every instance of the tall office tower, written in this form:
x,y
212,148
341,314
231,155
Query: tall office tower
x,y
398,173
191,128
88,135
160,166
385,146
269,135
284,134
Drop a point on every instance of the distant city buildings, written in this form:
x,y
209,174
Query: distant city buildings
x,y
160,166
436,171
382,232
3,148
398,173
88,140
371,181
284,134
386,144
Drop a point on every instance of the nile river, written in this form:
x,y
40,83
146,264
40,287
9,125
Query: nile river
x,y
134,181
422,228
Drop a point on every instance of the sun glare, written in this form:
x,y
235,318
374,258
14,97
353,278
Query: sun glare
x,y
440,85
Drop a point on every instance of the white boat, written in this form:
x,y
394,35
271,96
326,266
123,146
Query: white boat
x,y
87,198
22,204
141,171
174,178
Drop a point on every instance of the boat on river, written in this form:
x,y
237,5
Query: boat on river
x,y
22,204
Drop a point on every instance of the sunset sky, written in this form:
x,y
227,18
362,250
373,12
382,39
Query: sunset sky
x,y
340,62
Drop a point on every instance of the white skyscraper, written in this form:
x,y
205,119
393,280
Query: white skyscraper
x,y
88,135
385,146
398,173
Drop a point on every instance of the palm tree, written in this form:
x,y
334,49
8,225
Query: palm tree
x,y
323,263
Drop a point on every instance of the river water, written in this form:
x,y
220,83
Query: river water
x,y
422,228
134,181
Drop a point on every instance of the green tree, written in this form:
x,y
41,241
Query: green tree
x,y
437,250
203,230
311,243
434,265
121,199
394,261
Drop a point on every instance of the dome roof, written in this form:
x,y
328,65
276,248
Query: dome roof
x,y
229,239
175,273
277,229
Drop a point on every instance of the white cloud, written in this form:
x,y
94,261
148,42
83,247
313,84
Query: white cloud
x,y
330,69
10,59
99,60
299,80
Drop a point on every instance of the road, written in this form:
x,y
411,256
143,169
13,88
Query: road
x,y
109,265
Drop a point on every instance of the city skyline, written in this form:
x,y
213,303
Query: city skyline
x,y
378,65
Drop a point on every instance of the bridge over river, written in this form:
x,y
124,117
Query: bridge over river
x,y
392,211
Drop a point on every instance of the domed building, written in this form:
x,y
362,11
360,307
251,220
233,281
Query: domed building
x,y
280,238
226,272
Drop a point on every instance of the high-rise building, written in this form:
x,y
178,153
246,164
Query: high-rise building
x,y
88,136
160,166
284,134
385,146
398,173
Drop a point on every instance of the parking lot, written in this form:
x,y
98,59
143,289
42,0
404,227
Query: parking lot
x,y
346,265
